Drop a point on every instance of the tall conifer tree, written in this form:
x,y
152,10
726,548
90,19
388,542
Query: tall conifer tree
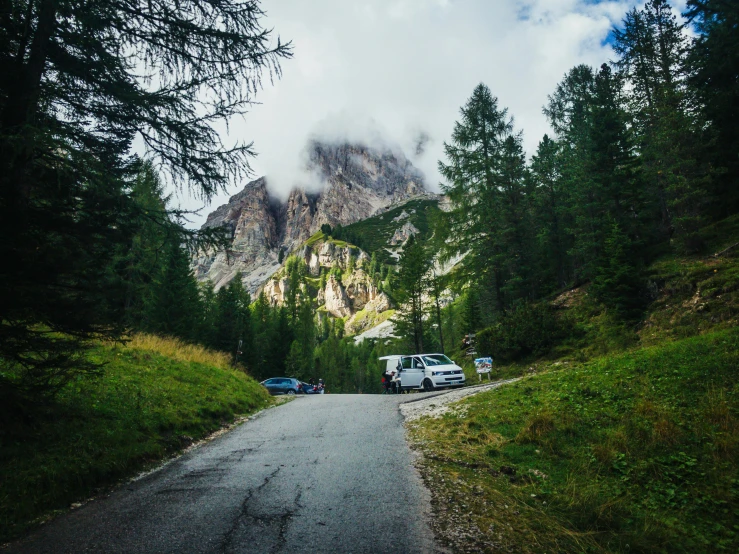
x,y
414,265
473,182
173,305
652,50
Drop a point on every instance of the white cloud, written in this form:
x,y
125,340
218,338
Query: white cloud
x,y
402,67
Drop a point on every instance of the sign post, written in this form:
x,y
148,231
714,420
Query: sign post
x,y
484,365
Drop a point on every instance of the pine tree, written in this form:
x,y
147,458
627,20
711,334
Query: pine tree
x,y
207,334
435,285
233,333
617,190
301,356
652,51
713,63
483,161
593,167
373,268
414,264
551,214
296,272
472,319
618,283
172,306
72,100
569,112
515,235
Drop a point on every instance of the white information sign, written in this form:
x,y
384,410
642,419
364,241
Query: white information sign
x,y
484,365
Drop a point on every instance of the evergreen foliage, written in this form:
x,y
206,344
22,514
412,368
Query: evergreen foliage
x,y
713,80
78,83
633,168
414,265
618,284
171,305
525,330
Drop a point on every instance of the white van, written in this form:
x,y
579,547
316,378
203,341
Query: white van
x,y
424,371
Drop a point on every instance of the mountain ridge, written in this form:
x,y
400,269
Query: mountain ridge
x,y
359,182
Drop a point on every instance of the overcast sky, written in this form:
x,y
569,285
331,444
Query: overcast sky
x,y
364,69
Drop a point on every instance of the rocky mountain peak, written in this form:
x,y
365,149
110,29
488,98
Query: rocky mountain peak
x,y
359,181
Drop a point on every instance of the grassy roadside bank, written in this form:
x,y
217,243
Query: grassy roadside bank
x,y
627,453
156,396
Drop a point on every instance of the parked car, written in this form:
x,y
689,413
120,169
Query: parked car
x,y
424,371
282,385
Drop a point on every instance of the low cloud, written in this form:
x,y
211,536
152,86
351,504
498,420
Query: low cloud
x,y
396,72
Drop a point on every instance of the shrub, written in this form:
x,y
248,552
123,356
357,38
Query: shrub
x,y
527,330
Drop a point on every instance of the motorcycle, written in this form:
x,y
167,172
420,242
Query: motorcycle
x,y
315,389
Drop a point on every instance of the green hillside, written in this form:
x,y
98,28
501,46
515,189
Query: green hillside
x,y
373,235
155,397
630,453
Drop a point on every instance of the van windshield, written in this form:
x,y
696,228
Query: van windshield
x,y
437,359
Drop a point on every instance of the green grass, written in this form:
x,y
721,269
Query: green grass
x,y
317,237
630,453
695,295
155,397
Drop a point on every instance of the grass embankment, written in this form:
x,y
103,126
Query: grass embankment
x,y
632,453
155,397
627,438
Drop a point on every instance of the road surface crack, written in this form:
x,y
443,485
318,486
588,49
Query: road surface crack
x,y
284,523
244,512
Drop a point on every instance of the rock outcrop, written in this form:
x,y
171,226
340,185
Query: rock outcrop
x,y
336,300
350,295
358,182
250,219
276,290
403,233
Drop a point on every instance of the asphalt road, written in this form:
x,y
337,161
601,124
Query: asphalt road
x,y
328,473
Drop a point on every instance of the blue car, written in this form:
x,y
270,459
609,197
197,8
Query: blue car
x,y
282,385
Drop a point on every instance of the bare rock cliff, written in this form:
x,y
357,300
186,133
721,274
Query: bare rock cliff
x,y
250,217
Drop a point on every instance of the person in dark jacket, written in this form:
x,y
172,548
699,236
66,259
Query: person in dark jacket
x,y
386,378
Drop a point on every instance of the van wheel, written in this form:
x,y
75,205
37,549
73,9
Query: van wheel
x,y
428,386
291,392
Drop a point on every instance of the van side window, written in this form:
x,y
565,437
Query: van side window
x,y
407,363
417,364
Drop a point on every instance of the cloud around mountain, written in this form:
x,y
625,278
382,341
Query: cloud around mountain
x,y
399,70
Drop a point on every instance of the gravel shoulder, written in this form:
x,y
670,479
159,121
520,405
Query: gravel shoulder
x,y
439,404
451,499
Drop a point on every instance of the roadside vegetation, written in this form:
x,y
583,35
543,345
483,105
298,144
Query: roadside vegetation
x,y
605,271
154,398
620,437
628,453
